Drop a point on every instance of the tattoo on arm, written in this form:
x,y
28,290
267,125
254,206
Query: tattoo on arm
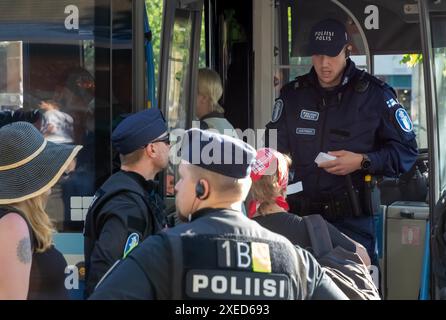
x,y
24,250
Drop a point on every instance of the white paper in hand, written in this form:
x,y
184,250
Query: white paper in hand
x,y
294,188
323,157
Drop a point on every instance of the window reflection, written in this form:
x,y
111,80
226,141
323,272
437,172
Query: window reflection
x,y
47,67
404,72
439,51
68,116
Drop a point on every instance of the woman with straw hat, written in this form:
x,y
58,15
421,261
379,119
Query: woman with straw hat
x,y
29,166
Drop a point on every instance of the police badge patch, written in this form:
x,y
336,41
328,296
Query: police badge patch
x,y
403,120
309,115
132,242
277,110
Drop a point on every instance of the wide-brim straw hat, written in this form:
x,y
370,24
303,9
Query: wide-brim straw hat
x,y
29,164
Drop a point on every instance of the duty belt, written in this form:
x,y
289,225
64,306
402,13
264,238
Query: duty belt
x,y
332,208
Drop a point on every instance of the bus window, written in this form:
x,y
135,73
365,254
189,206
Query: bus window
x,y
178,70
154,13
379,46
438,25
293,20
11,74
56,58
404,72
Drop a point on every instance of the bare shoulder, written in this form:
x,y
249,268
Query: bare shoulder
x,y
15,239
13,223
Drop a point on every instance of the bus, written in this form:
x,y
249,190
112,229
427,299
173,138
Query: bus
x,y
97,60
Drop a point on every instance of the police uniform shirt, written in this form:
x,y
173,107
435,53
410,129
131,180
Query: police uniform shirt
x,y
361,115
123,215
154,271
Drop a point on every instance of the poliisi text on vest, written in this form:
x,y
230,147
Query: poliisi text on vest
x,y
226,284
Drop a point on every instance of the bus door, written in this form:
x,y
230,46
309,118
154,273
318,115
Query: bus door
x,y
70,59
387,42
433,17
178,69
229,31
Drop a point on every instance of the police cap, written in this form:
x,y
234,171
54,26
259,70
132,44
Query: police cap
x,y
219,153
137,130
328,37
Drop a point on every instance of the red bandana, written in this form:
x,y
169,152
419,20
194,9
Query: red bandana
x,y
269,162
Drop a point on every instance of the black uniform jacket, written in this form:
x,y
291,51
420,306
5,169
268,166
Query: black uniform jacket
x,y
199,260
361,115
124,205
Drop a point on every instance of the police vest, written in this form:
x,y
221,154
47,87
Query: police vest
x,y
151,214
230,267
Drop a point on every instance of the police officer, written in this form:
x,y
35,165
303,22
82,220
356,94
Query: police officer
x,y
220,253
127,208
354,117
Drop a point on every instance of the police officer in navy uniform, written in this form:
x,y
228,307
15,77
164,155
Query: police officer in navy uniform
x,y
218,253
127,208
351,115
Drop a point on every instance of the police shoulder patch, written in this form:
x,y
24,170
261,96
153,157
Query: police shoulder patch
x,y
132,242
277,110
403,119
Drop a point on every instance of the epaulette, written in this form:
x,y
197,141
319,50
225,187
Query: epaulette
x,y
301,82
362,82
365,79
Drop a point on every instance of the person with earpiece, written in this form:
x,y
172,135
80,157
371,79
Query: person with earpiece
x,y
339,109
218,253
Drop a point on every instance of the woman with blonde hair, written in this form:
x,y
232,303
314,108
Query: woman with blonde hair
x,y
268,205
208,110
31,267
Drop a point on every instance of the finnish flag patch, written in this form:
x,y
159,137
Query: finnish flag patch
x,y
392,102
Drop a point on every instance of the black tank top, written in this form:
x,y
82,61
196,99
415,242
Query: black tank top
x,y
47,269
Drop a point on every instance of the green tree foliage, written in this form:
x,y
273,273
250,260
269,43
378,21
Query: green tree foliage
x,y
411,60
155,14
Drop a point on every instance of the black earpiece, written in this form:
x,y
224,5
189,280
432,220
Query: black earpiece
x,y
199,190
348,52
